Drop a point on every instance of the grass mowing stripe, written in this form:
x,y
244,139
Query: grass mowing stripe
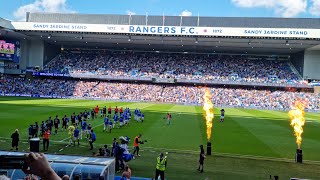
x,y
265,130
159,134
285,138
252,142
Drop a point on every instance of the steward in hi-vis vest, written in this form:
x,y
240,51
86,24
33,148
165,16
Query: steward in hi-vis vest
x,y
161,166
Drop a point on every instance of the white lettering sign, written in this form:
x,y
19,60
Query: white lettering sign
x,y
170,30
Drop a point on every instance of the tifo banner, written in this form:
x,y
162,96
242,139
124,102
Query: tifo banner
x,y
169,30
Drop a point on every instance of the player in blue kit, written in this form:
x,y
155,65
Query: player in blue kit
x,y
84,128
135,114
110,125
106,123
126,118
142,117
121,120
138,116
89,128
115,119
129,113
76,136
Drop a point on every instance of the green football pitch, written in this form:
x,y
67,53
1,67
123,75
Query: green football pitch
x,y
250,144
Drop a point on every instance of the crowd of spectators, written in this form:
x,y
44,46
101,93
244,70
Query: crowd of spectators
x,y
49,87
156,93
198,67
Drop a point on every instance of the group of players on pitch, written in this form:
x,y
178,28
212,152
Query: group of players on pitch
x,y
78,126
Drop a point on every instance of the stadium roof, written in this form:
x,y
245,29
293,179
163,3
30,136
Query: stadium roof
x,y
176,43
5,23
249,22
6,30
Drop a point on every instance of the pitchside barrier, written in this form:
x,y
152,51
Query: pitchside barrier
x,y
85,167
156,102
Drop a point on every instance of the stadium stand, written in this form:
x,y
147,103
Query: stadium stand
x,y
196,67
226,97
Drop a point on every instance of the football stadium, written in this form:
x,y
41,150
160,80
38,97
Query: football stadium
x,y
189,97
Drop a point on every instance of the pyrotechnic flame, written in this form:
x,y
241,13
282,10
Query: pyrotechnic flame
x,y
208,108
297,120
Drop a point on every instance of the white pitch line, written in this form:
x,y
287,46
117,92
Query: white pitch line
x,y
97,125
64,139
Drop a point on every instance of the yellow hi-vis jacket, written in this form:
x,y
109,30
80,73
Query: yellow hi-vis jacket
x,y
161,164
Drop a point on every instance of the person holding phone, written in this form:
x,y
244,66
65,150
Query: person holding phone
x,y
37,164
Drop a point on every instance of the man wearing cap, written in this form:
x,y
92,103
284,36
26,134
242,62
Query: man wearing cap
x,y
161,166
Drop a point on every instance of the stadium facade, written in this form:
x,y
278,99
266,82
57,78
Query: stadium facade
x,y
44,35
